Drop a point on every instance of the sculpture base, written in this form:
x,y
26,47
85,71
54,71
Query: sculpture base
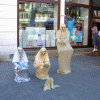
x,y
21,76
42,77
50,85
20,80
62,72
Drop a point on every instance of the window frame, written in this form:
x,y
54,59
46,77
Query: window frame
x,y
89,17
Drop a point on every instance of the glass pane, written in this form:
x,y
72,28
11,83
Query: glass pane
x,y
96,3
37,24
76,21
86,2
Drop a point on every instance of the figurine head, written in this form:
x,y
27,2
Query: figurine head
x,y
63,28
20,49
43,51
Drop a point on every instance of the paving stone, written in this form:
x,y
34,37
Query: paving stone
x,y
83,83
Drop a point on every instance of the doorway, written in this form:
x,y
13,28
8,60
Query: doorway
x,y
98,25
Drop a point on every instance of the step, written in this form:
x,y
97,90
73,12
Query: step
x,y
52,53
97,53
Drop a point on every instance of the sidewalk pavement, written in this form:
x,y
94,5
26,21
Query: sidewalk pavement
x,y
83,83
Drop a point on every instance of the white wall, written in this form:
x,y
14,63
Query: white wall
x,y
8,28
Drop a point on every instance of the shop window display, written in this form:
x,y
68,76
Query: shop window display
x,y
96,13
76,20
37,24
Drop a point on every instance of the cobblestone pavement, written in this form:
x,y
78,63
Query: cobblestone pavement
x,y
82,84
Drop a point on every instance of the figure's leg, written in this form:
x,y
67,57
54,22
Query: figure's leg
x,y
95,42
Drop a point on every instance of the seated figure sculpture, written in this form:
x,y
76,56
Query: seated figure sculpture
x,y
20,62
65,50
42,64
49,84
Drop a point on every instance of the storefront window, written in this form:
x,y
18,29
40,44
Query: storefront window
x,y
37,24
96,13
86,2
76,21
96,3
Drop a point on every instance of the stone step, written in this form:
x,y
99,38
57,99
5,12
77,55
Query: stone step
x,y
96,53
54,53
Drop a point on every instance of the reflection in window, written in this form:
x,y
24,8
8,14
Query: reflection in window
x,y
86,2
22,16
26,5
96,3
76,21
26,16
38,23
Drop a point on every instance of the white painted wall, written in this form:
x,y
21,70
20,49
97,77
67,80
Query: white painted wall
x,y
8,28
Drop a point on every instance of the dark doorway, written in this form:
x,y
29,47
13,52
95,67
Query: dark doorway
x,y
98,25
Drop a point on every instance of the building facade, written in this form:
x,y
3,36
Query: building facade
x,y
33,24
8,28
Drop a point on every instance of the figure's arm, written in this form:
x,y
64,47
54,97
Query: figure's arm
x,y
16,65
66,40
47,61
58,38
97,29
37,64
